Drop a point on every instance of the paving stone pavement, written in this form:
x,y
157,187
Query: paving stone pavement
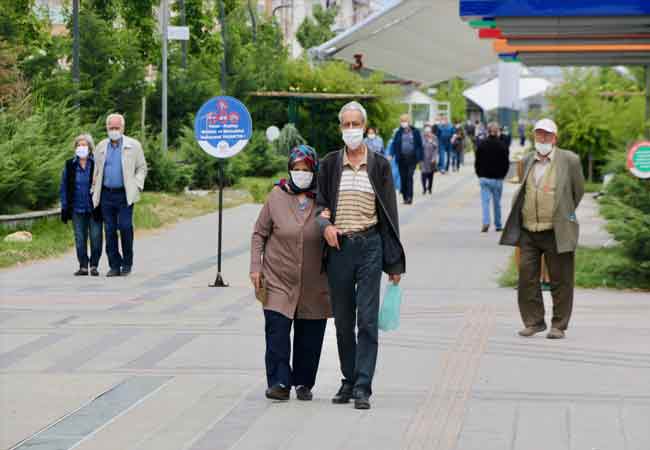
x,y
161,361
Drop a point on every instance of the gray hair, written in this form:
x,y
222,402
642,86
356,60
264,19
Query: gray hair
x,y
85,137
112,116
354,106
493,126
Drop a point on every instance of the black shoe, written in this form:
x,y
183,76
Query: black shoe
x,y
278,392
485,228
361,399
113,273
94,272
499,229
82,272
343,395
126,270
304,393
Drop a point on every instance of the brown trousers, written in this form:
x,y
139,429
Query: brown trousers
x,y
561,267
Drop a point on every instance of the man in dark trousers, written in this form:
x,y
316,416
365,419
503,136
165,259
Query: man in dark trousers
x,y
358,218
407,146
491,164
543,222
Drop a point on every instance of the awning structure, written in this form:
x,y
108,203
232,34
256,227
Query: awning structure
x,y
564,32
487,95
420,40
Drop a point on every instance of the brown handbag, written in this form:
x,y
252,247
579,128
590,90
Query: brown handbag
x,y
261,294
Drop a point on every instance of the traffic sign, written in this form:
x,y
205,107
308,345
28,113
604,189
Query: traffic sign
x,y
223,126
638,159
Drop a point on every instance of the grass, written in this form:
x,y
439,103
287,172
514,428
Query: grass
x,y
51,237
595,268
593,186
258,187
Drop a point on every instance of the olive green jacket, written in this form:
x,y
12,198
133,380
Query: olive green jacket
x,y
569,189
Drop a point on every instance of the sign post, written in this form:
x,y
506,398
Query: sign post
x,y
638,159
222,129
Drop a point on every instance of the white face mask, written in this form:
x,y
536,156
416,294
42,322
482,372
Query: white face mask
x,y
114,135
301,179
543,149
353,137
404,124
371,135
82,152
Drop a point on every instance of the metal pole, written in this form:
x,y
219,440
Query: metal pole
x,y
164,14
75,48
183,43
224,67
647,101
218,282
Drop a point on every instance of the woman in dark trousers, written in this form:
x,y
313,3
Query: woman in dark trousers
x,y
286,259
77,205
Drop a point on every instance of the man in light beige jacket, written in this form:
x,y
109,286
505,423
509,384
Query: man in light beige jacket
x,y
120,171
543,222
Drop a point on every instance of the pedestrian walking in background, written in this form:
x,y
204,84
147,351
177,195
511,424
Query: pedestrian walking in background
x,y
120,171
390,155
444,135
407,147
480,133
457,149
429,159
543,222
77,205
373,141
521,129
286,259
360,224
491,164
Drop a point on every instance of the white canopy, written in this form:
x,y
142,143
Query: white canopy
x,y
418,98
487,95
420,40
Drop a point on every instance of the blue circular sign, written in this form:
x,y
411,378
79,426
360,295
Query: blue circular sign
x,y
223,126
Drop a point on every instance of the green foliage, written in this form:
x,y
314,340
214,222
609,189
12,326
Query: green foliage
x,y
318,119
34,143
452,91
316,31
592,122
164,174
21,27
289,138
627,209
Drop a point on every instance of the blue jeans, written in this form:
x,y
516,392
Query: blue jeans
x,y
118,215
443,159
455,160
491,189
85,226
354,275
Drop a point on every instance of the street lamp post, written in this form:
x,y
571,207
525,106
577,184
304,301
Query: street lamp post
x,y
164,20
75,48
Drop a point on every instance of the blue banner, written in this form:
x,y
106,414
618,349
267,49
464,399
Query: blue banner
x,y
223,126
559,8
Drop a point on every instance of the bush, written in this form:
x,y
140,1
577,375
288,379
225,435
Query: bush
x,y
164,173
34,143
627,209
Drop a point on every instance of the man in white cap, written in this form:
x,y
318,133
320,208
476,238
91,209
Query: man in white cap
x,y
543,222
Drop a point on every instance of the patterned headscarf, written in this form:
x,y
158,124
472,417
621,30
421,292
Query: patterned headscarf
x,y
307,154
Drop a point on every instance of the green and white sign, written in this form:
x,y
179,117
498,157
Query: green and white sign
x,y
638,159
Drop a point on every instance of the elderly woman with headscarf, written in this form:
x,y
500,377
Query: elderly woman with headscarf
x,y
77,205
286,259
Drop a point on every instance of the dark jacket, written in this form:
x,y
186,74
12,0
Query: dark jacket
x,y
68,184
381,178
417,144
492,159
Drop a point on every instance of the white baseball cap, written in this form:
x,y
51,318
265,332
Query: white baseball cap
x,y
546,125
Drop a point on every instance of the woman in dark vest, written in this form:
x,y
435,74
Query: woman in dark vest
x,y
77,205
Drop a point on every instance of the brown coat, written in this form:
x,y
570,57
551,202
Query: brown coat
x,y
286,247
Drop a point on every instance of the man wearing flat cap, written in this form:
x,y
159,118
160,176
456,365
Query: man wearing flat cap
x,y
543,222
